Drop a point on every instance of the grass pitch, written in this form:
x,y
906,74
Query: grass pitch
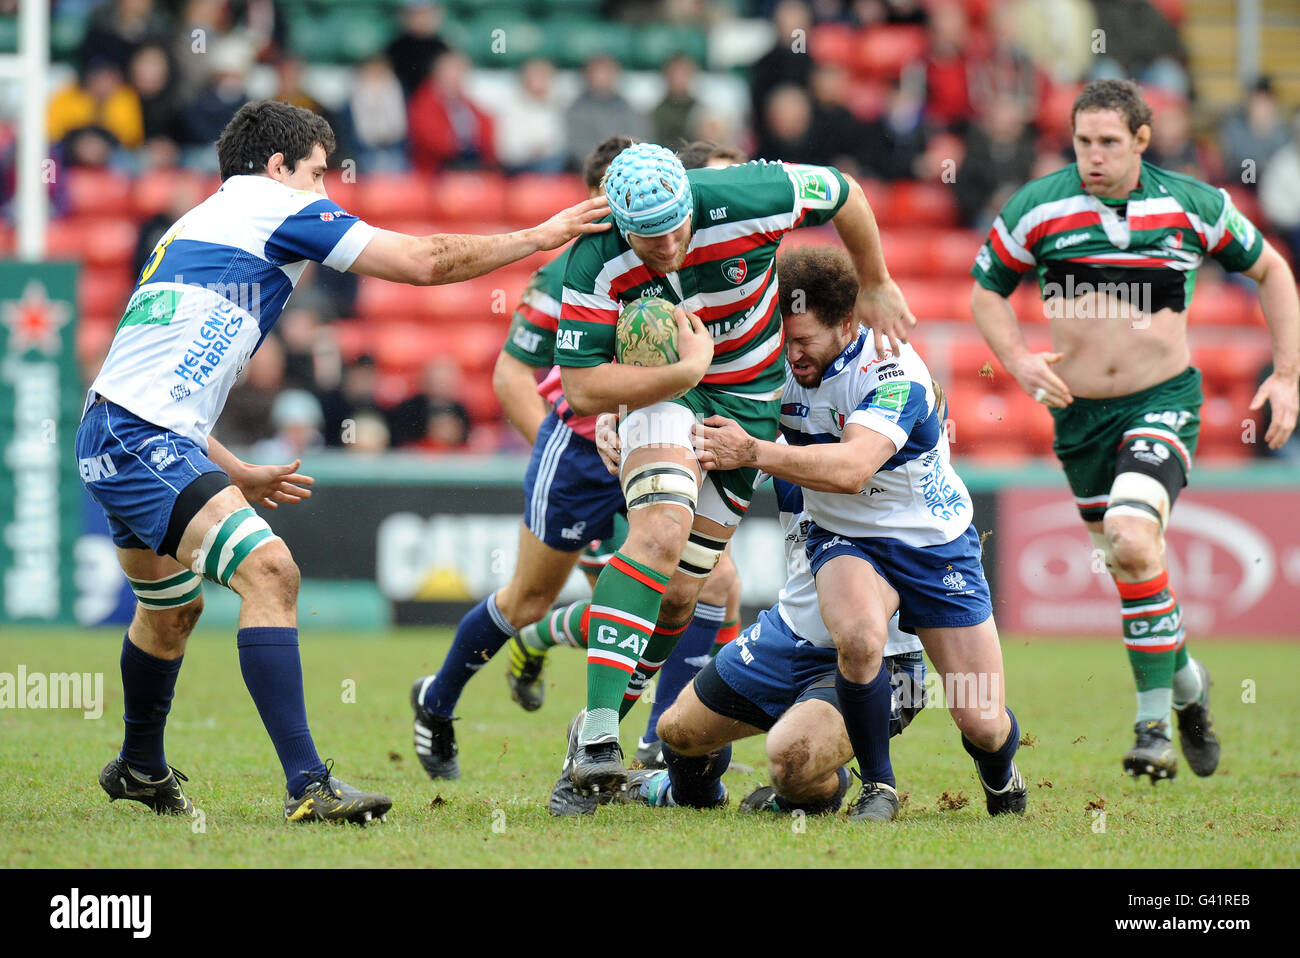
x,y
1074,701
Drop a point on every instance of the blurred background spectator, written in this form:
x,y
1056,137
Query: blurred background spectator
x,y
670,121
530,126
599,109
435,417
1252,133
999,159
447,129
412,52
296,419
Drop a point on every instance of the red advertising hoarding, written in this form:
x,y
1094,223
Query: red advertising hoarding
x,y
1234,561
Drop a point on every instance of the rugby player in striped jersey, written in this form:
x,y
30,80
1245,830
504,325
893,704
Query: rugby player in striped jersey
x,y
705,240
1115,244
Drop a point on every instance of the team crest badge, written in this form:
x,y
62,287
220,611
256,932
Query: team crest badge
x,y
954,580
734,270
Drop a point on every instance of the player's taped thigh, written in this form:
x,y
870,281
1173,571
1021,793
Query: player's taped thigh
x,y
1140,495
228,543
169,592
658,426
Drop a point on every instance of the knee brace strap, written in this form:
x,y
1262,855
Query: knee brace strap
x,y
701,554
1137,494
657,482
169,592
229,542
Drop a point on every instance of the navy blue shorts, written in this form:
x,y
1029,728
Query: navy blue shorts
x,y
135,471
571,497
768,670
938,586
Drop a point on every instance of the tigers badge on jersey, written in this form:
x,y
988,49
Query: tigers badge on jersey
x,y
734,270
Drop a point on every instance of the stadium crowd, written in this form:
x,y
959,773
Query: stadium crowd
x,y
973,96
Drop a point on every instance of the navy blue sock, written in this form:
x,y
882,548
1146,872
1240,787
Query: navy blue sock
x,y
825,806
697,782
690,655
479,636
866,718
995,767
147,686
268,659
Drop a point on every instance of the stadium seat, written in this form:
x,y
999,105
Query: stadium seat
x,y
937,298
571,42
909,253
533,197
1053,119
388,302
882,51
104,290
656,43
866,98
833,44
912,203
1220,304
388,196
341,191
480,400
1228,365
99,242
470,198
152,192
98,193
954,251
469,301
1224,411
1028,302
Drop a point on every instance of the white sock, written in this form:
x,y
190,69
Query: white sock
x,y
1187,684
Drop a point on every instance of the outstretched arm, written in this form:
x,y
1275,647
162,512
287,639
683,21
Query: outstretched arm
x,y
880,305
452,257
997,323
843,466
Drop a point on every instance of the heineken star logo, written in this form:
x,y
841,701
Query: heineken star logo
x,y
34,321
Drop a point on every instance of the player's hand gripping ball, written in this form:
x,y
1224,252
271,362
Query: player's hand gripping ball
x,y
646,334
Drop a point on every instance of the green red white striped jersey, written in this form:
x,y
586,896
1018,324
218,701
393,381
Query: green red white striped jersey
x,y
1159,236
739,215
532,329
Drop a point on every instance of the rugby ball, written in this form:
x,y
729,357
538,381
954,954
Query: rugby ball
x,y
646,334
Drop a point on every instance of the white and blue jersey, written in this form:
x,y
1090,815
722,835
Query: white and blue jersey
x,y
215,285
912,520
915,497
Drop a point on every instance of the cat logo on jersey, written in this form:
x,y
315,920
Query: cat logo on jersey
x,y
734,270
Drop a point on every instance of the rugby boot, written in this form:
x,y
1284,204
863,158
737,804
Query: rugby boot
x,y
878,802
435,739
648,755
330,800
598,766
566,800
165,797
1196,729
1012,799
762,799
524,675
1152,754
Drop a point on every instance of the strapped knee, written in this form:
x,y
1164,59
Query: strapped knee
x,y
701,553
1101,544
660,482
228,543
169,592
1138,494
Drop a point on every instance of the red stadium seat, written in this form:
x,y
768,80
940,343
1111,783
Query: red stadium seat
x,y
954,251
469,301
153,192
937,298
104,290
8,239
877,194
833,43
381,197
1229,365
912,204
471,198
867,99
1028,302
1224,411
354,337
532,198
882,51
389,302
106,242
480,399
341,191
908,253
98,193
1054,119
